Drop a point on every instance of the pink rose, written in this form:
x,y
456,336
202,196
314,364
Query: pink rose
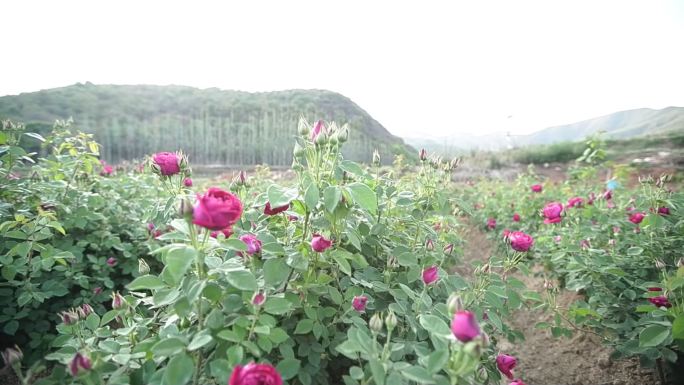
x,y
430,275
253,244
111,261
506,363
516,217
187,182
320,244
608,194
585,244
491,223
520,241
217,209
359,303
536,188
517,382
107,170
506,233
552,212
464,326
575,202
557,239
660,301
664,210
636,218
168,162
273,211
255,374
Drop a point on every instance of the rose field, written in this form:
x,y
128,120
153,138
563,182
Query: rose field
x,y
335,272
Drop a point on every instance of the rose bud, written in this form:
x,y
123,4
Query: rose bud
x,y
359,303
255,374
319,243
454,303
111,261
552,212
150,226
464,326
422,155
660,264
506,233
585,244
663,211
258,299
273,211
226,233
608,194
87,310
318,129
520,241
430,275
636,218
242,178
143,267
217,209
448,249
79,364
505,364
429,245
12,355
118,301
516,217
491,223
187,182
97,290
253,244
375,323
536,188
69,317
557,239
391,320
376,158
168,163
680,262
575,202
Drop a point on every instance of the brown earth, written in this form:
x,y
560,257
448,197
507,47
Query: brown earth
x,y
544,359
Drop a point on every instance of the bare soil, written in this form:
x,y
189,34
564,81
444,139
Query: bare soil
x,y
544,359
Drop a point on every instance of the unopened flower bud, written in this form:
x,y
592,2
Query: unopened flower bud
x,y
258,299
660,264
375,323
422,155
321,139
87,310
12,355
303,128
69,317
298,150
429,245
343,134
548,285
449,248
454,303
390,320
143,267
118,301
376,157
680,262
79,364
242,178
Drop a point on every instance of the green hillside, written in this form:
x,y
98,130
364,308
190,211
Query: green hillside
x,y
213,126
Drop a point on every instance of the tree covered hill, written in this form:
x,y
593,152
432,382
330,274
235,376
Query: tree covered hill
x,y
213,126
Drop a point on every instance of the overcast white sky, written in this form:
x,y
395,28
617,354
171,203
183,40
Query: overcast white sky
x,y
421,67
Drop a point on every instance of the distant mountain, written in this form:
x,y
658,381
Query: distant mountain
x,y
618,125
213,126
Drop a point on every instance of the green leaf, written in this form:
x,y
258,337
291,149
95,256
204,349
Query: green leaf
x,y
434,324
277,305
147,282
351,167
11,327
331,198
178,261
92,321
201,339
242,279
108,317
363,196
653,335
678,328
35,136
377,370
235,244
8,272
276,272
341,262
168,347
311,196
436,360
278,196
304,326
407,259
288,368
179,370
418,374
635,251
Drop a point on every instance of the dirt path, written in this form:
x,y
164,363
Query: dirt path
x,y
545,360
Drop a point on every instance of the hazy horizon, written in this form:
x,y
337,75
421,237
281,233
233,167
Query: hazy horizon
x,y
480,68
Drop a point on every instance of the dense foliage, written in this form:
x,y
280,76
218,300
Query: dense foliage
x,y
213,126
